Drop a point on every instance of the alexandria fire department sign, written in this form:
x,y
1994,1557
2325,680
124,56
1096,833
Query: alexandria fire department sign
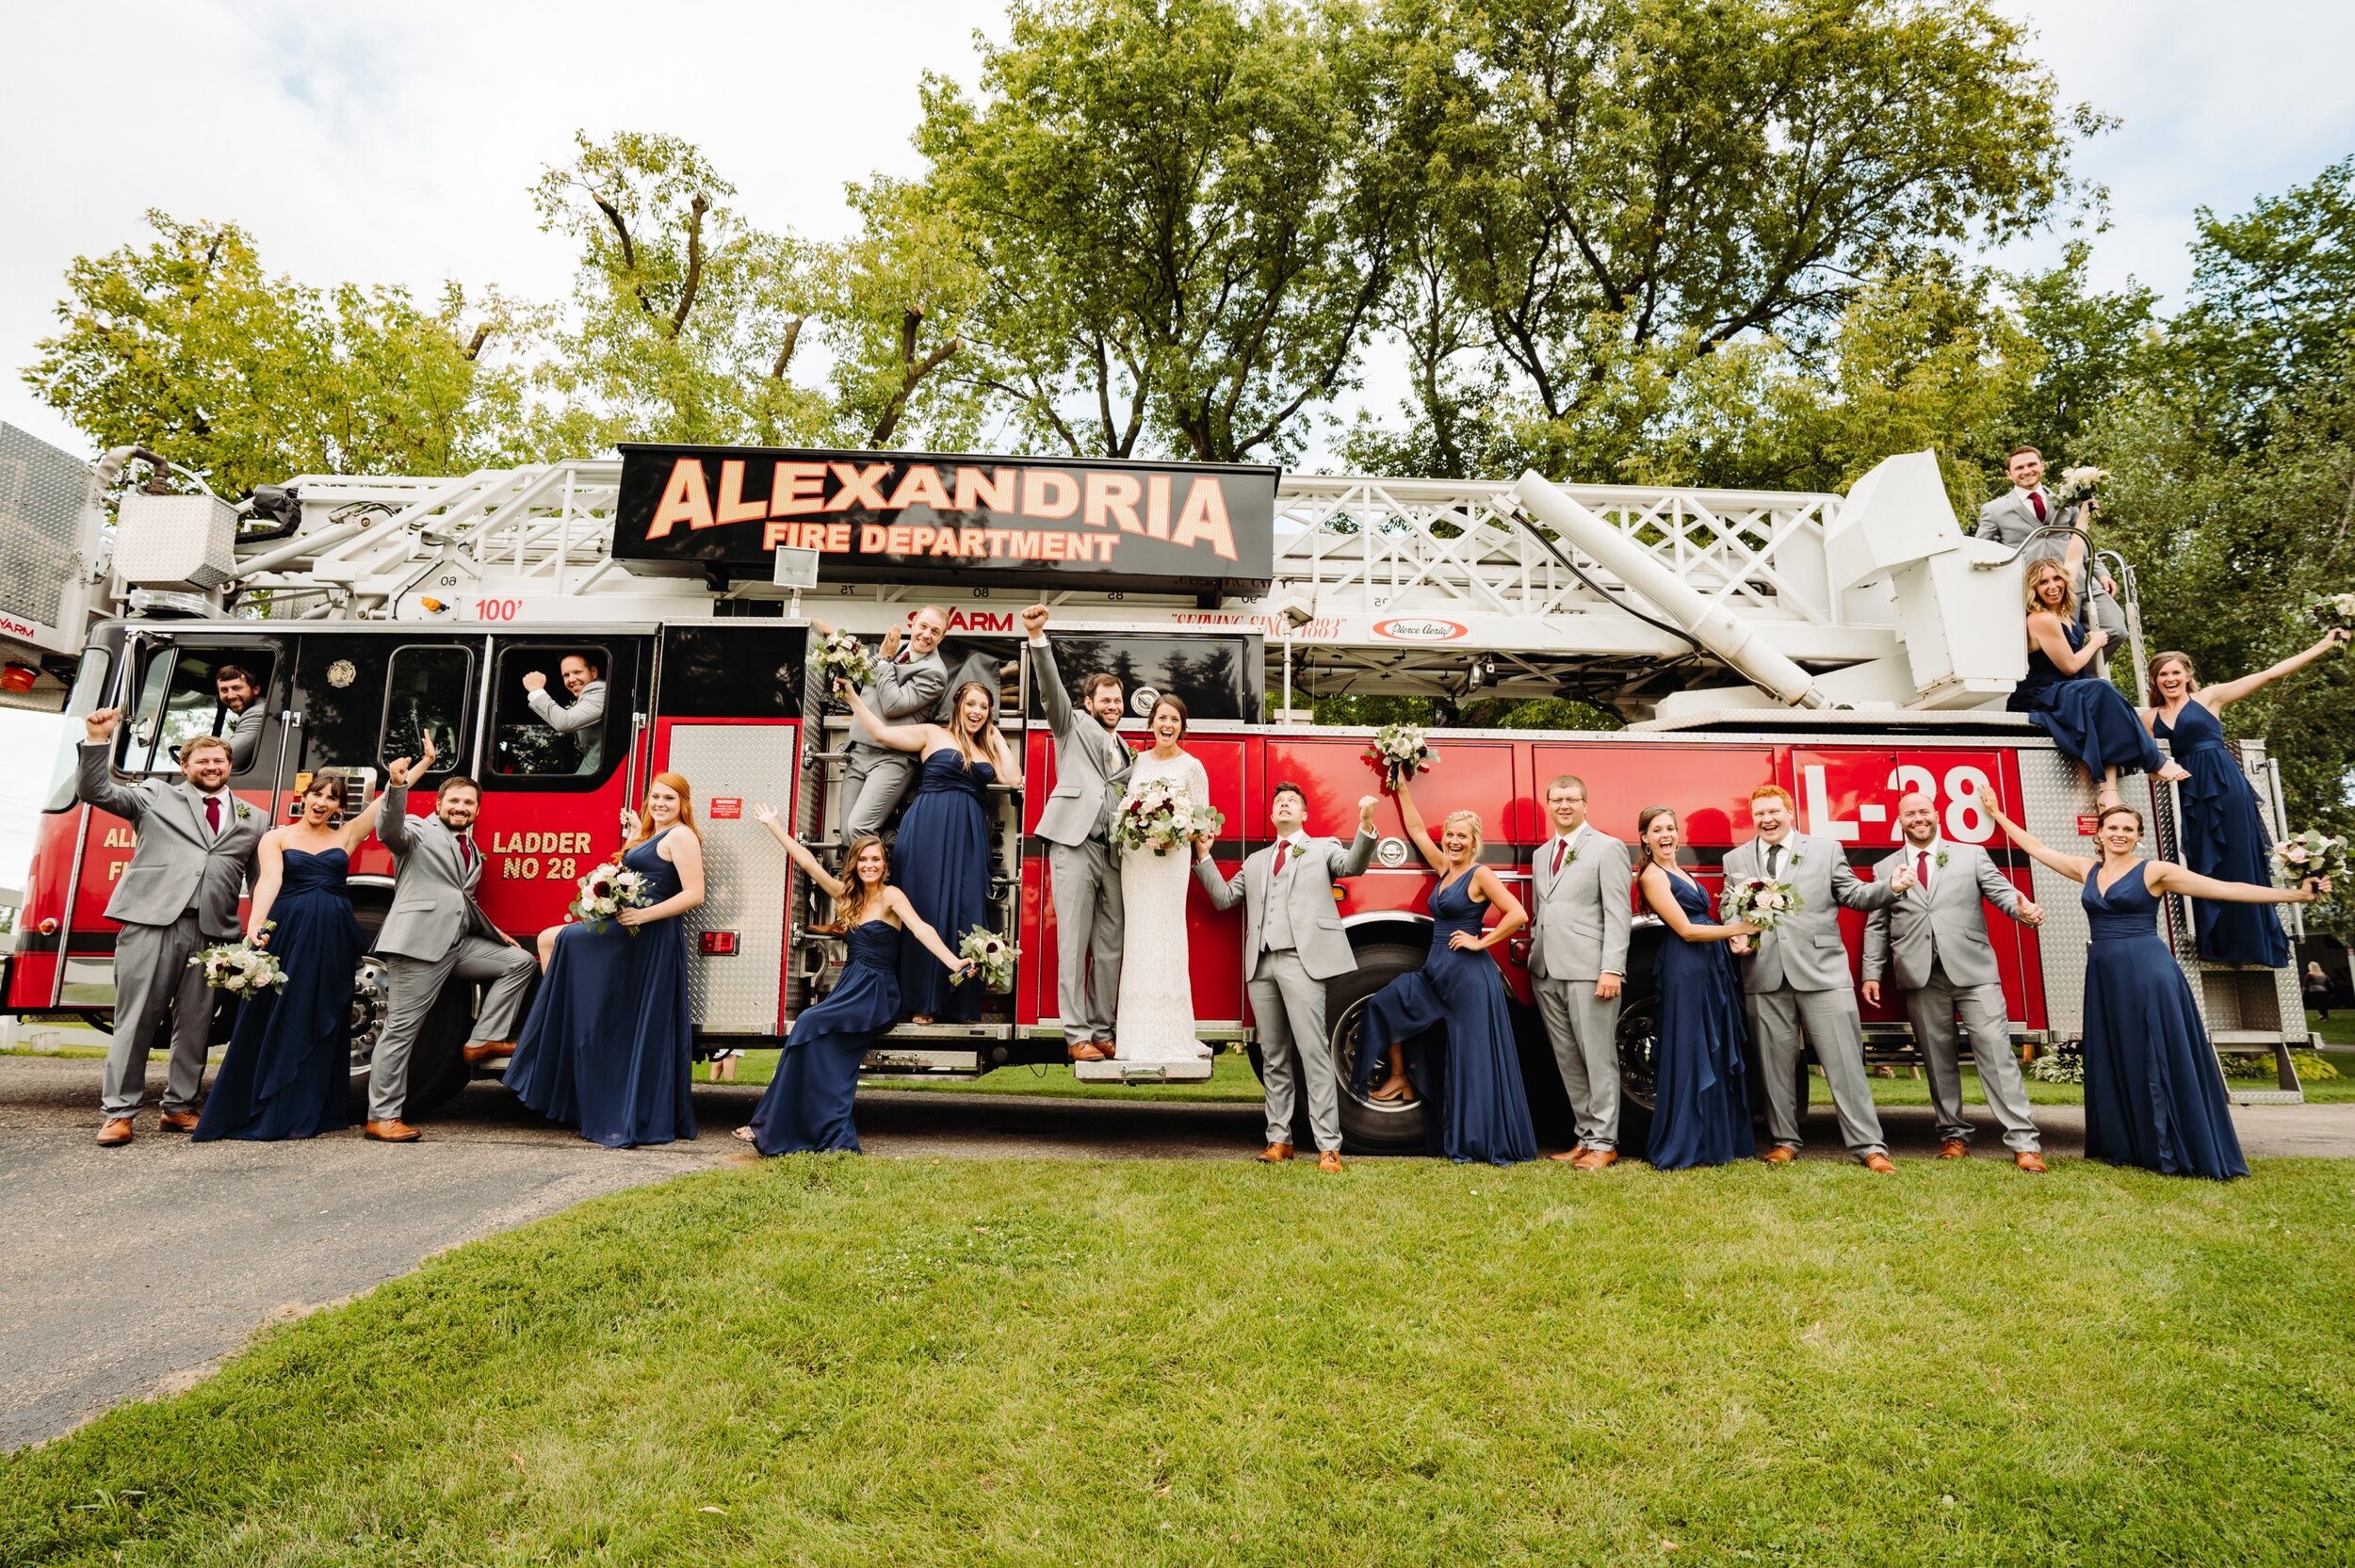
x,y
926,518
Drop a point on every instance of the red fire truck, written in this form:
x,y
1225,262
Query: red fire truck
x,y
1851,649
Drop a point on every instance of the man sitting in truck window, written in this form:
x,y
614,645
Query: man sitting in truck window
x,y
585,680
240,722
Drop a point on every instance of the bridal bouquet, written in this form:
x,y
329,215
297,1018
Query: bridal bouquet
x,y
240,966
1760,902
1162,816
2312,853
2332,609
2078,484
992,957
841,658
605,892
1401,753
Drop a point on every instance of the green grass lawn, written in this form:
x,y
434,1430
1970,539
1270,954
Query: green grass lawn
x,y
825,1359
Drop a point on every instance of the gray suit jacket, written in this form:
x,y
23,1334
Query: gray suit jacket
x,y
1945,924
1805,952
179,863
2009,520
1317,934
1092,763
245,735
433,891
1579,924
903,693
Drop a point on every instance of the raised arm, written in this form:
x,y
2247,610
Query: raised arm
x,y
904,690
2222,692
1352,861
1513,918
897,903
2044,632
355,833
799,852
1411,817
1996,889
900,737
686,855
2167,877
1051,690
580,715
394,824
94,769
271,857
2072,867
1663,899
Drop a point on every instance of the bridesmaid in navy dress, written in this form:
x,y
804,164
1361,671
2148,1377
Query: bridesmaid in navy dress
x,y
807,1106
942,853
2087,717
2155,1096
1468,1077
609,1044
2224,836
1700,1098
288,1070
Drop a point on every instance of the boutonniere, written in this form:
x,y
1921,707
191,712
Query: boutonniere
x,y
245,813
1796,857
1939,859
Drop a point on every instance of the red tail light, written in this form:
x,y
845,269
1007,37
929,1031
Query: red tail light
x,y
718,944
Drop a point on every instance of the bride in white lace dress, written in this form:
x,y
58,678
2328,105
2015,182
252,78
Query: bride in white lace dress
x,y
1155,1018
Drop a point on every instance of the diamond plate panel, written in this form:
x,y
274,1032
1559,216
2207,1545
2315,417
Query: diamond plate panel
x,y
744,872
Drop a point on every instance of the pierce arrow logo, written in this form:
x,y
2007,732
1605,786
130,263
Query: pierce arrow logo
x,y
1420,629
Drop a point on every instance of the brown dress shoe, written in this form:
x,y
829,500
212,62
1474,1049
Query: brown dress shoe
x,y
394,1131
116,1133
1084,1051
1954,1148
1780,1155
1567,1157
1330,1162
1881,1164
1595,1160
489,1050
1274,1153
178,1121
2027,1159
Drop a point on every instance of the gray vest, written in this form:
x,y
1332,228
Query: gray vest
x,y
1277,934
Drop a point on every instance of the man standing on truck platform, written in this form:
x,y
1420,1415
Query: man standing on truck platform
x,y
907,690
1092,766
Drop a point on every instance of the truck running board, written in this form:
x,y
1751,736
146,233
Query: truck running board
x,y
1142,1071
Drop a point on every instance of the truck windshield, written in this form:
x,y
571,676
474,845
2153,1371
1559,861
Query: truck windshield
x,y
89,682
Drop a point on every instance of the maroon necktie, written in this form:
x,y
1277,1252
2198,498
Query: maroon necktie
x,y
1922,872
465,853
2035,499
1561,847
212,813
1281,846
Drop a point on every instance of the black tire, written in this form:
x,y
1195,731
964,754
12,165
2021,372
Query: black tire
x,y
1367,1128
1639,1040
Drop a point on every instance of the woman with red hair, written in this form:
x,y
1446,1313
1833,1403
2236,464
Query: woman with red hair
x,y
608,1045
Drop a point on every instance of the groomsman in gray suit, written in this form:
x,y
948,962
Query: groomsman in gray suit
x,y
435,929
1798,975
1937,937
1293,943
179,892
1581,885
1091,766
2019,511
909,688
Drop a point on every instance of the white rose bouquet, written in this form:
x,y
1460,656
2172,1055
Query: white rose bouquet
x,y
1161,815
1759,903
605,892
2079,484
1401,753
841,657
2312,853
2332,609
992,957
240,968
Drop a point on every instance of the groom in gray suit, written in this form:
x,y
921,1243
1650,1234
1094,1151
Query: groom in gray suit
x,y
1798,974
180,892
435,929
2014,516
1293,943
1582,882
1937,936
1092,766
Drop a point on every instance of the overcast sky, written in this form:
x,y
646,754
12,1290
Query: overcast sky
x,y
395,143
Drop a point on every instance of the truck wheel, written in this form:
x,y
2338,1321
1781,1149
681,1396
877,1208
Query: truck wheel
x,y
1368,1126
1638,1038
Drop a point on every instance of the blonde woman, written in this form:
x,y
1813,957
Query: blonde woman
x,y
942,853
1444,1028
2085,716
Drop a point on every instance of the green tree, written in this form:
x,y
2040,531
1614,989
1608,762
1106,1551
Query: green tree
x,y
186,345
1182,215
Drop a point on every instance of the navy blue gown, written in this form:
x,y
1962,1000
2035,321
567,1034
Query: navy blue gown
x,y
2088,718
2155,1096
1468,1078
2224,837
941,861
609,1044
807,1107
1700,1099
288,1070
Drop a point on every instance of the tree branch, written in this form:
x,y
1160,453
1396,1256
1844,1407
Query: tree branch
x,y
792,336
898,403
629,250
695,211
